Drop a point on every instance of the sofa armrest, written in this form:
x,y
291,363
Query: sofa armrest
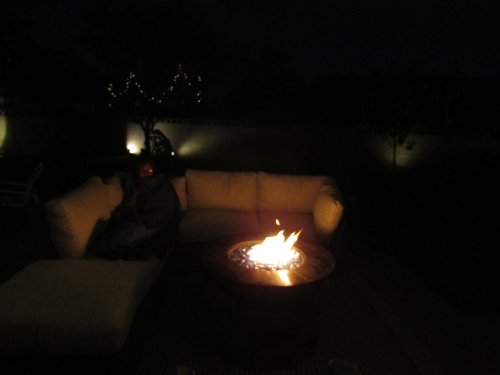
x,y
79,217
179,184
327,212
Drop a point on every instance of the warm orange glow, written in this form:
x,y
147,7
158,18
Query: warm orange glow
x,y
275,250
283,275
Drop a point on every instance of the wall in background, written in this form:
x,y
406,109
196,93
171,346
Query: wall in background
x,y
206,144
315,150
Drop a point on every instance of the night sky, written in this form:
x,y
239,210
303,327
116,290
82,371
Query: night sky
x,y
355,36
320,37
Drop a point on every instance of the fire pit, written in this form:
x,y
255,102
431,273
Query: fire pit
x,y
264,308
275,261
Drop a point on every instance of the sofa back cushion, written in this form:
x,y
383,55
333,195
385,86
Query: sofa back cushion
x,y
79,217
221,190
288,193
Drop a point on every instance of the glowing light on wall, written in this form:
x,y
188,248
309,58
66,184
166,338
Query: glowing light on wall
x,y
135,138
133,148
3,130
405,158
194,141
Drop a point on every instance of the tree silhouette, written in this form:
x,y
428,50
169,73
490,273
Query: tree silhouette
x,y
399,107
146,106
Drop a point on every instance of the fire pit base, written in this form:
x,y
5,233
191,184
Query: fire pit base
x,y
263,327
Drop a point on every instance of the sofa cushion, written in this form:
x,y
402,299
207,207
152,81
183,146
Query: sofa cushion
x,y
72,306
78,217
287,193
208,225
289,222
221,190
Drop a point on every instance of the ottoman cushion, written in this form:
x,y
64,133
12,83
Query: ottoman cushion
x,y
72,306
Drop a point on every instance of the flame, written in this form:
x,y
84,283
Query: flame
x,y
283,276
275,250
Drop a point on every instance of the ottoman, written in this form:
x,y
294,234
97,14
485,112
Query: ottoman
x,y
72,306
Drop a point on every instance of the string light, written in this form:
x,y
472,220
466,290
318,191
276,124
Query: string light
x,y
180,77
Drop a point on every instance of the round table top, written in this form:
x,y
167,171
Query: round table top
x,y
318,263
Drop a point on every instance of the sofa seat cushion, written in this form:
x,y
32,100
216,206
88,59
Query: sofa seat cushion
x,y
72,306
209,225
289,222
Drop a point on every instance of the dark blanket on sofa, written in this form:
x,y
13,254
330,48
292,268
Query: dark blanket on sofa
x,y
146,221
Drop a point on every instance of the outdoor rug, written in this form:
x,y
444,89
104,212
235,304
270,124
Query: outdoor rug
x,y
356,327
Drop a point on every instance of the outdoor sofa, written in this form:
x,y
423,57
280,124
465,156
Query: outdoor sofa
x,y
216,204
83,303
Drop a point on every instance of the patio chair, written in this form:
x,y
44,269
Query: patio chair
x,y
19,194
